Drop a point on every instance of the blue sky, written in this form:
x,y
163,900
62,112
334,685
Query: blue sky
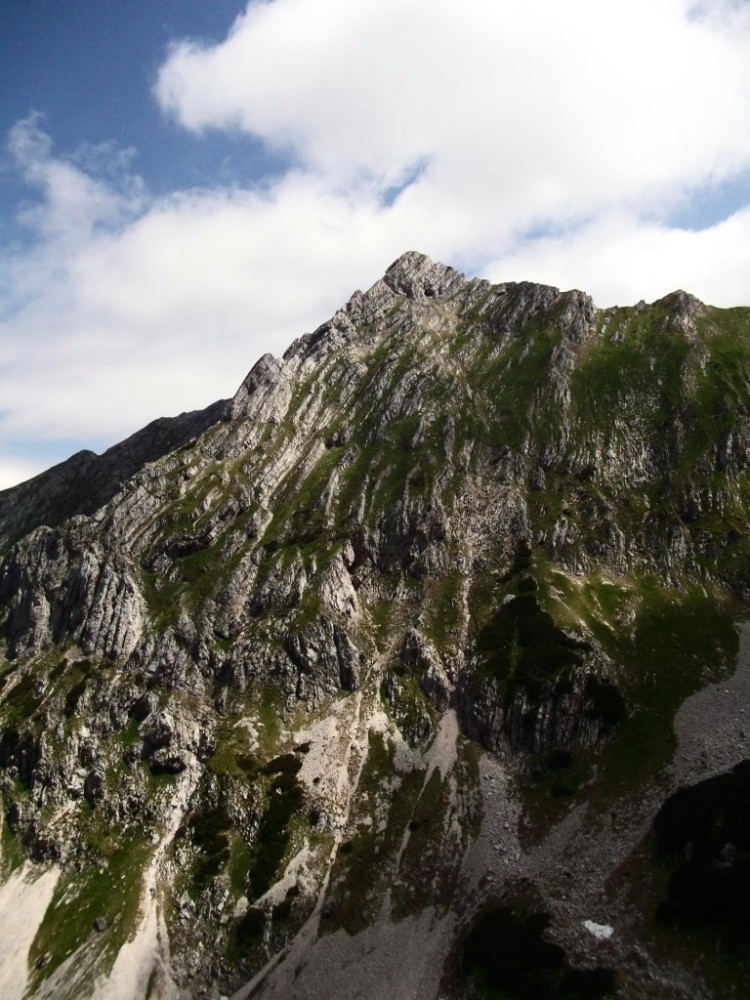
x,y
89,66
185,184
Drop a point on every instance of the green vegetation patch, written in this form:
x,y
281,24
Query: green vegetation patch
x,y
210,830
443,608
38,680
676,644
444,818
75,680
407,838
162,598
285,799
662,646
269,791
635,371
429,863
12,854
516,397
23,699
407,705
129,736
108,892
362,862
231,756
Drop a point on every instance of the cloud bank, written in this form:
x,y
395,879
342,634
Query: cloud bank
x,y
519,140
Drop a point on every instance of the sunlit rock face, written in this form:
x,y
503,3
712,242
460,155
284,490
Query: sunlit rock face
x,y
328,689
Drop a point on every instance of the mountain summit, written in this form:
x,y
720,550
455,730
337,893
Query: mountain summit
x,y
413,671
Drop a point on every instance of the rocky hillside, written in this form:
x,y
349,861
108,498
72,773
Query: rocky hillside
x,y
380,679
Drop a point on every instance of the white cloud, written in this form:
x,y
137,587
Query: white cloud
x,y
619,256
585,124
526,110
74,200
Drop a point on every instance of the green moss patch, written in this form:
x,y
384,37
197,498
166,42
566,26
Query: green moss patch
x,y
23,699
677,643
210,833
12,854
76,679
129,736
108,891
407,705
362,859
403,841
285,799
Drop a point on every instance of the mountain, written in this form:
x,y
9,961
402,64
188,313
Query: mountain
x,y
418,669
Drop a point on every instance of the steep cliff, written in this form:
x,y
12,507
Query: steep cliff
x,y
386,652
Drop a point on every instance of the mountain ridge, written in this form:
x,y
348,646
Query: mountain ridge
x,y
63,495
164,434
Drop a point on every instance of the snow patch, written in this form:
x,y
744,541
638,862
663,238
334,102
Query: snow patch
x,y
600,931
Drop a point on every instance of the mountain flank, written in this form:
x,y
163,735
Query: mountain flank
x,y
417,669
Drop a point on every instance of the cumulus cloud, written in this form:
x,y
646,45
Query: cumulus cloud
x,y
519,140
524,110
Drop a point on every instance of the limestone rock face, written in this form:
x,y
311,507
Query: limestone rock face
x,y
421,601
59,584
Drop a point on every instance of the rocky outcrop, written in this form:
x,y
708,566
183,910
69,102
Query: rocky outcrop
x,y
327,660
60,585
581,711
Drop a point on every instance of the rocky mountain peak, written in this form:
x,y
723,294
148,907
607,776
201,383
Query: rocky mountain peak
x,y
415,275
